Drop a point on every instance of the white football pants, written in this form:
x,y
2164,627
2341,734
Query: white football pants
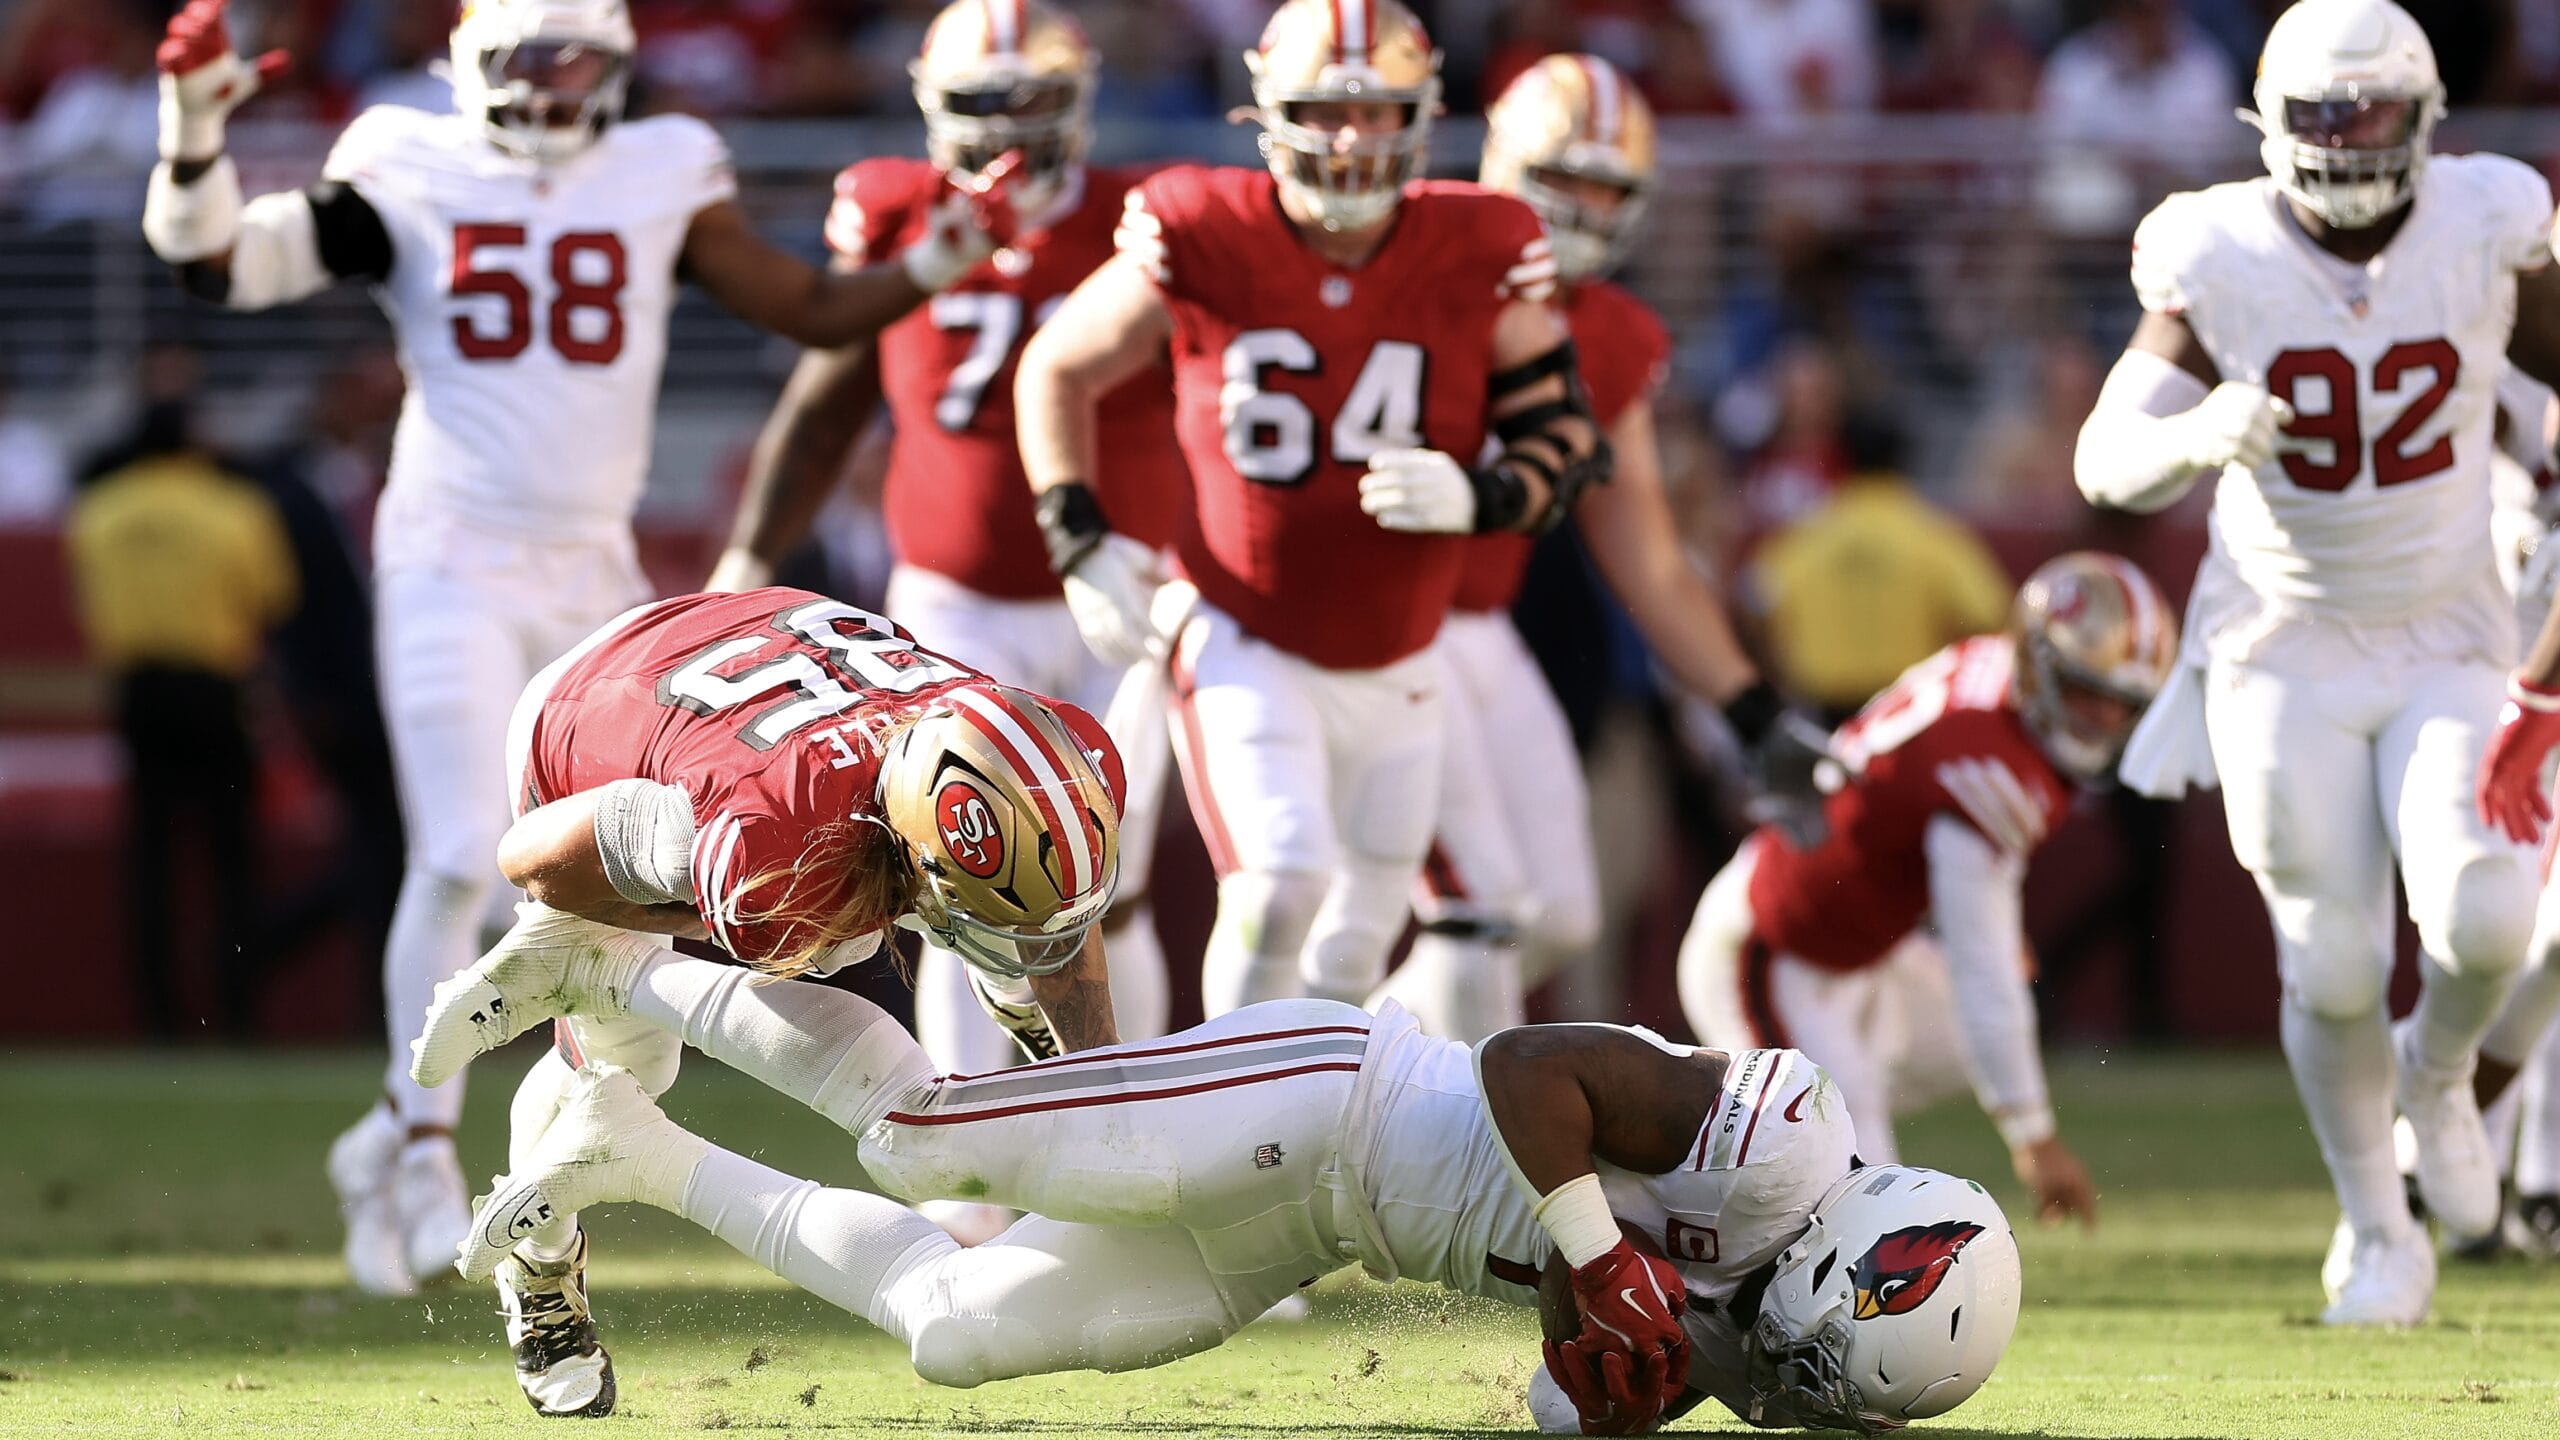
x,y
1512,890
463,619
2526,1037
2325,781
1035,644
1886,1033
1316,791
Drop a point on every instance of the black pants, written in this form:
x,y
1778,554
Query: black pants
x,y
193,774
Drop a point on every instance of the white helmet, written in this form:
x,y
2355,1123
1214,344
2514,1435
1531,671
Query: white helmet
x,y
544,76
2347,99
1893,1307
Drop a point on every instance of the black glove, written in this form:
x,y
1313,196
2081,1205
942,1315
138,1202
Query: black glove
x,y
1783,753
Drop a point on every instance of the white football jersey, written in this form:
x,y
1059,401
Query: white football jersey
x,y
2377,503
1447,1210
531,306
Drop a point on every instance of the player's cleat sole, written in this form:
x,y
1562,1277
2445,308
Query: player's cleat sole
x,y
563,1370
2456,1167
2383,1277
360,1165
609,1143
551,964
432,1208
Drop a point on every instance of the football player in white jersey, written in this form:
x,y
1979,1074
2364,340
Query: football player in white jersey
x,y
1703,1206
527,249
2326,342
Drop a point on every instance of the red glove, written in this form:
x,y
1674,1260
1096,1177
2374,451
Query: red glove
x,y
2512,793
197,38
1614,1395
1631,1303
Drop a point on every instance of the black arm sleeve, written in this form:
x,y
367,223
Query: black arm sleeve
x,y
353,243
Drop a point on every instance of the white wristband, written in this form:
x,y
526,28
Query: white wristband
x,y
2022,1128
1577,1214
185,223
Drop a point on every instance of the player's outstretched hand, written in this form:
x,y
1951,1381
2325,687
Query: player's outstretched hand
x,y
973,219
202,81
2514,790
1110,592
1614,1393
2058,1182
1785,768
1420,491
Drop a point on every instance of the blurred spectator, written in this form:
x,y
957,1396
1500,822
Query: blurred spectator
x,y
416,40
1525,32
1954,55
92,140
1155,65
709,57
1872,582
35,476
182,568
2141,84
2020,467
42,41
1790,424
1678,70
1785,60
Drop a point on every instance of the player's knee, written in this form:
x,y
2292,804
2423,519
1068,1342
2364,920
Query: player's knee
x,y
2335,961
965,1351
1271,910
2484,924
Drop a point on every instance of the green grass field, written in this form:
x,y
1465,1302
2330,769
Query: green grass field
x,y
167,1267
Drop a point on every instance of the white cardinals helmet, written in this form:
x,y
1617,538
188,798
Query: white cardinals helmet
x,y
544,76
2348,99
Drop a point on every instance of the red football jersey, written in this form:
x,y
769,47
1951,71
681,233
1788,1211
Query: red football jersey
x,y
1945,740
956,501
1290,372
764,706
1623,353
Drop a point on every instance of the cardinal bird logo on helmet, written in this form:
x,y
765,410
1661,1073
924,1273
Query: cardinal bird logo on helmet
x,y
1902,1270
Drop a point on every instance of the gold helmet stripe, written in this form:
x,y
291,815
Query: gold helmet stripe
x,y
1004,27
1048,782
1355,31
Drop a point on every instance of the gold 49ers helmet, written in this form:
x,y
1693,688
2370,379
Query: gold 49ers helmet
x,y
2095,644
1344,52
1569,119
999,75
1008,806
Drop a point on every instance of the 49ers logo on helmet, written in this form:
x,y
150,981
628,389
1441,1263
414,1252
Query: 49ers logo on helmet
x,y
969,829
1902,1270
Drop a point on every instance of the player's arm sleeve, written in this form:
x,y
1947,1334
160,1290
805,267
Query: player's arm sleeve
x,y
2130,455
696,161
276,249
1974,898
645,837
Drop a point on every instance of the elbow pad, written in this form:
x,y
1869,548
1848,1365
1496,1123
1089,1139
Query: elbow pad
x,y
644,835
273,241
1529,435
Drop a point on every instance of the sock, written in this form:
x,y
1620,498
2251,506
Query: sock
x,y
435,932
862,1253
834,1052
2454,1011
2538,1121
2343,1069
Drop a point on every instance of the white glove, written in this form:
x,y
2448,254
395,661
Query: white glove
x,y
2234,425
1422,491
738,570
1110,592
973,220
202,81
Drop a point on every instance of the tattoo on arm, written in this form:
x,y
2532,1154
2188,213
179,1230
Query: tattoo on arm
x,y
1077,1001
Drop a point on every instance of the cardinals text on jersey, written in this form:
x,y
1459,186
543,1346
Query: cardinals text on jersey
x,y
2378,499
531,306
1290,372
956,502
1945,739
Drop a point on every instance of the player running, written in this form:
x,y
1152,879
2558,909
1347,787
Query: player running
x,y
1181,1188
1340,330
1956,774
995,78
527,250
1514,890
2327,342
786,776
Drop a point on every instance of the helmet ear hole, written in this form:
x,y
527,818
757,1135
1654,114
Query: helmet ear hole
x,y
1822,1271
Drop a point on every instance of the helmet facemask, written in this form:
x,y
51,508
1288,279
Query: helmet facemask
x,y
1590,234
1049,118
2081,718
1347,181
2352,155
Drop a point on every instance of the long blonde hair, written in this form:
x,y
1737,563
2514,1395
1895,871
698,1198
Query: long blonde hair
x,y
883,882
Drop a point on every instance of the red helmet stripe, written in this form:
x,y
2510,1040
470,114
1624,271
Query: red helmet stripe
x,y
1045,773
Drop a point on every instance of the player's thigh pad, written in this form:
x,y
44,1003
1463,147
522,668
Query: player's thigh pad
x,y
1476,869
1536,779
2472,893
451,668
1715,992
1252,746
1383,731
1223,1126
1047,1296
1004,638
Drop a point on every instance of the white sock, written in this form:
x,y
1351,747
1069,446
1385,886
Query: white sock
x,y
1141,996
2343,1069
2537,1092
435,932
848,1248
832,1051
2454,1011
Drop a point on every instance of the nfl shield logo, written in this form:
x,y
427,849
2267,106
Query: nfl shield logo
x,y
1335,292
1266,1157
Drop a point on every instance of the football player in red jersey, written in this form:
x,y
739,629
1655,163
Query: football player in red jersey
x,y
1513,860
786,776
1956,774
995,79
1341,331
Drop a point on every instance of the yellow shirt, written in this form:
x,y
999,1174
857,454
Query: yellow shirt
x,y
1874,581
180,563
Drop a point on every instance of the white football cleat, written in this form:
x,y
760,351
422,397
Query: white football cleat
x,y
433,1209
610,1142
551,964
2457,1167
360,1163
2384,1276
560,1365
